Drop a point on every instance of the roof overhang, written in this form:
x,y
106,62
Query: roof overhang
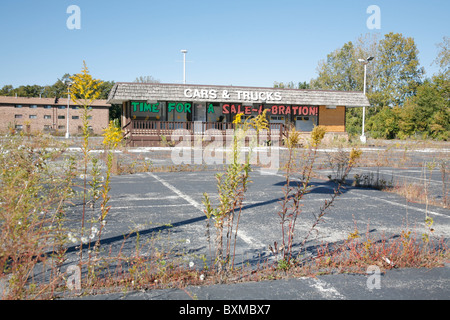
x,y
126,91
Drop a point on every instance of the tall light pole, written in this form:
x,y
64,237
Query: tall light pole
x,y
184,65
365,62
68,83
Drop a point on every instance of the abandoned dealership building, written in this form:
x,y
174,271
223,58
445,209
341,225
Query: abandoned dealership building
x,y
153,110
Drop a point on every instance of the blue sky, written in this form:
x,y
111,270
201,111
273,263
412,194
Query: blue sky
x,y
243,42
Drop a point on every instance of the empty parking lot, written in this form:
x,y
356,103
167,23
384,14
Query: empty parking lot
x,y
164,208
171,203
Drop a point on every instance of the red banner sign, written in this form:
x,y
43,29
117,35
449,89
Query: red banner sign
x,y
273,109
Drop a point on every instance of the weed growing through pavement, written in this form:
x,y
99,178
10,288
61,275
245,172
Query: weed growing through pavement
x,y
231,187
84,92
443,166
341,163
413,191
34,195
359,251
112,138
298,177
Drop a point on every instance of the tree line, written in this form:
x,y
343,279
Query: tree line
x,y
404,103
56,90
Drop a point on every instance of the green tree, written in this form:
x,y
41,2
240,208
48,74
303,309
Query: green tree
x,y
353,121
385,124
291,85
146,79
407,122
342,71
59,88
104,88
428,112
443,57
398,72
26,91
6,90
392,77
338,71
115,110
304,85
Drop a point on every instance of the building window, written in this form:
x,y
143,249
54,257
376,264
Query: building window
x,y
61,107
89,117
305,123
61,117
61,127
33,106
47,107
75,117
33,116
19,127
47,127
18,106
18,116
47,116
217,114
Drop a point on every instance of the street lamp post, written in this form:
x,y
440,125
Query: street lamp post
x,y
68,83
184,65
365,62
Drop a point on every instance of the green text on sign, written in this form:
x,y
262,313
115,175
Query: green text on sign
x,y
143,107
179,107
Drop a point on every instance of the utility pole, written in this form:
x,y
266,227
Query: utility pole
x,y
365,62
184,65
68,107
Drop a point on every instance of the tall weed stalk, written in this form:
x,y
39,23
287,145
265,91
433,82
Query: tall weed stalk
x,y
231,187
299,172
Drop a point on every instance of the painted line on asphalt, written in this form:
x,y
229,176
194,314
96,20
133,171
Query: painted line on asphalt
x,y
249,240
395,174
150,198
182,195
146,207
405,206
325,289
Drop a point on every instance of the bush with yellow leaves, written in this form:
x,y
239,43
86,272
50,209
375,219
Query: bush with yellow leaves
x,y
112,136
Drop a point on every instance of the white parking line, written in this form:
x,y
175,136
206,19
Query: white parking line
x,y
249,240
187,198
149,198
146,207
395,174
405,206
324,288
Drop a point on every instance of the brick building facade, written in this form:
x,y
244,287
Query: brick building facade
x,y
48,115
